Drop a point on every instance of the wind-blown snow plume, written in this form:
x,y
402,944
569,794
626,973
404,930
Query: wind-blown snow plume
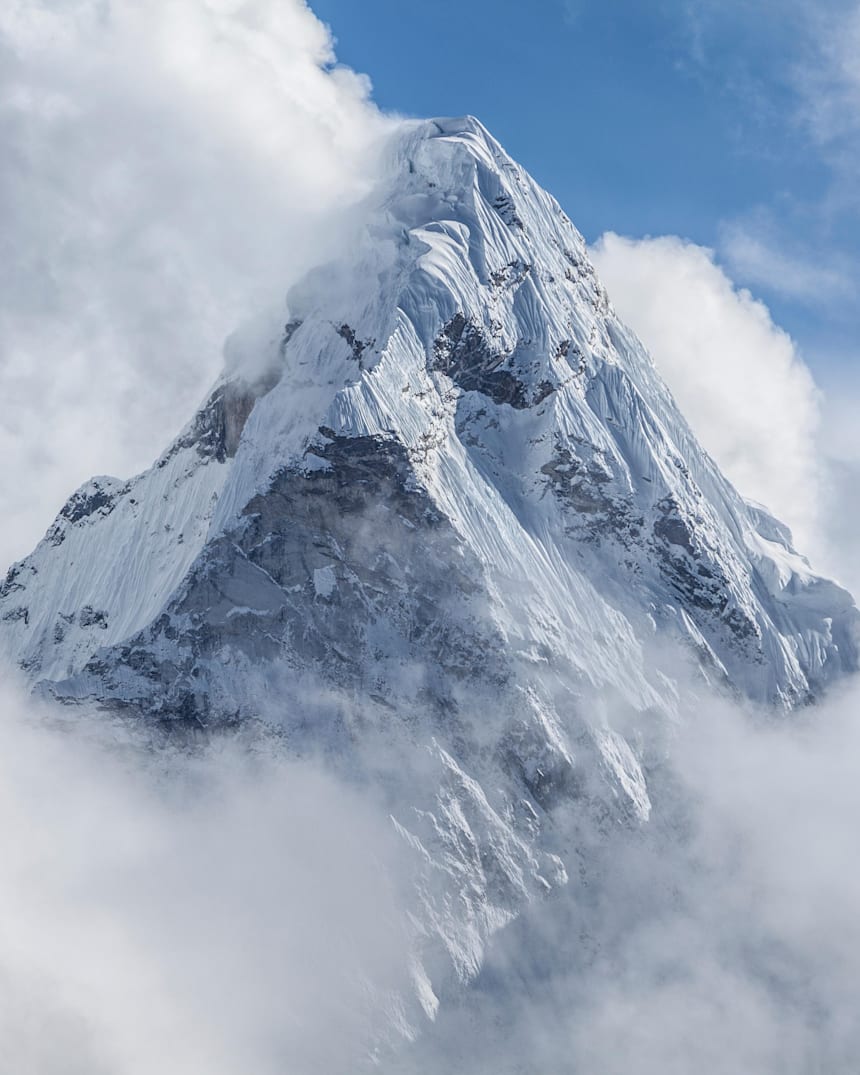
x,y
164,169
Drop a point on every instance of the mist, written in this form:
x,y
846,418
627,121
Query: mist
x,y
721,937
166,171
220,908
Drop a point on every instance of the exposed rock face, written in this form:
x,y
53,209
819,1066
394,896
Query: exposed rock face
x,y
340,568
217,427
447,539
469,360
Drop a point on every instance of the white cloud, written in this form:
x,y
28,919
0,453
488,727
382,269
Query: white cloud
x,y
790,73
840,443
737,377
221,911
165,168
721,938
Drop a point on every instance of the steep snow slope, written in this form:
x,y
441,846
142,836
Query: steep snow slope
x,y
446,525
118,549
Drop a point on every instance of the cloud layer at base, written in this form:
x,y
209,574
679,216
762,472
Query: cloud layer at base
x,y
722,937
227,909
222,910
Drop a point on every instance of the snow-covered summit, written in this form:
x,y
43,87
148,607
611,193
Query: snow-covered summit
x,y
462,345
445,507
464,329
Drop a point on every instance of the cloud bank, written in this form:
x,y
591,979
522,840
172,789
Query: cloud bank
x,y
223,911
165,170
723,937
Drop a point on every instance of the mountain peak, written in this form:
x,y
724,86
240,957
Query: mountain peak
x,y
465,325
468,129
446,126
444,525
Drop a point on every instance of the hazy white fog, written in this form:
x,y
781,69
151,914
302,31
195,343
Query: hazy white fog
x,y
221,911
166,169
722,938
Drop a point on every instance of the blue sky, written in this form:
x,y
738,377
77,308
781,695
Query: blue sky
x,y
726,122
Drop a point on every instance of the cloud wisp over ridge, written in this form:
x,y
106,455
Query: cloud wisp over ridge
x,y
165,170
